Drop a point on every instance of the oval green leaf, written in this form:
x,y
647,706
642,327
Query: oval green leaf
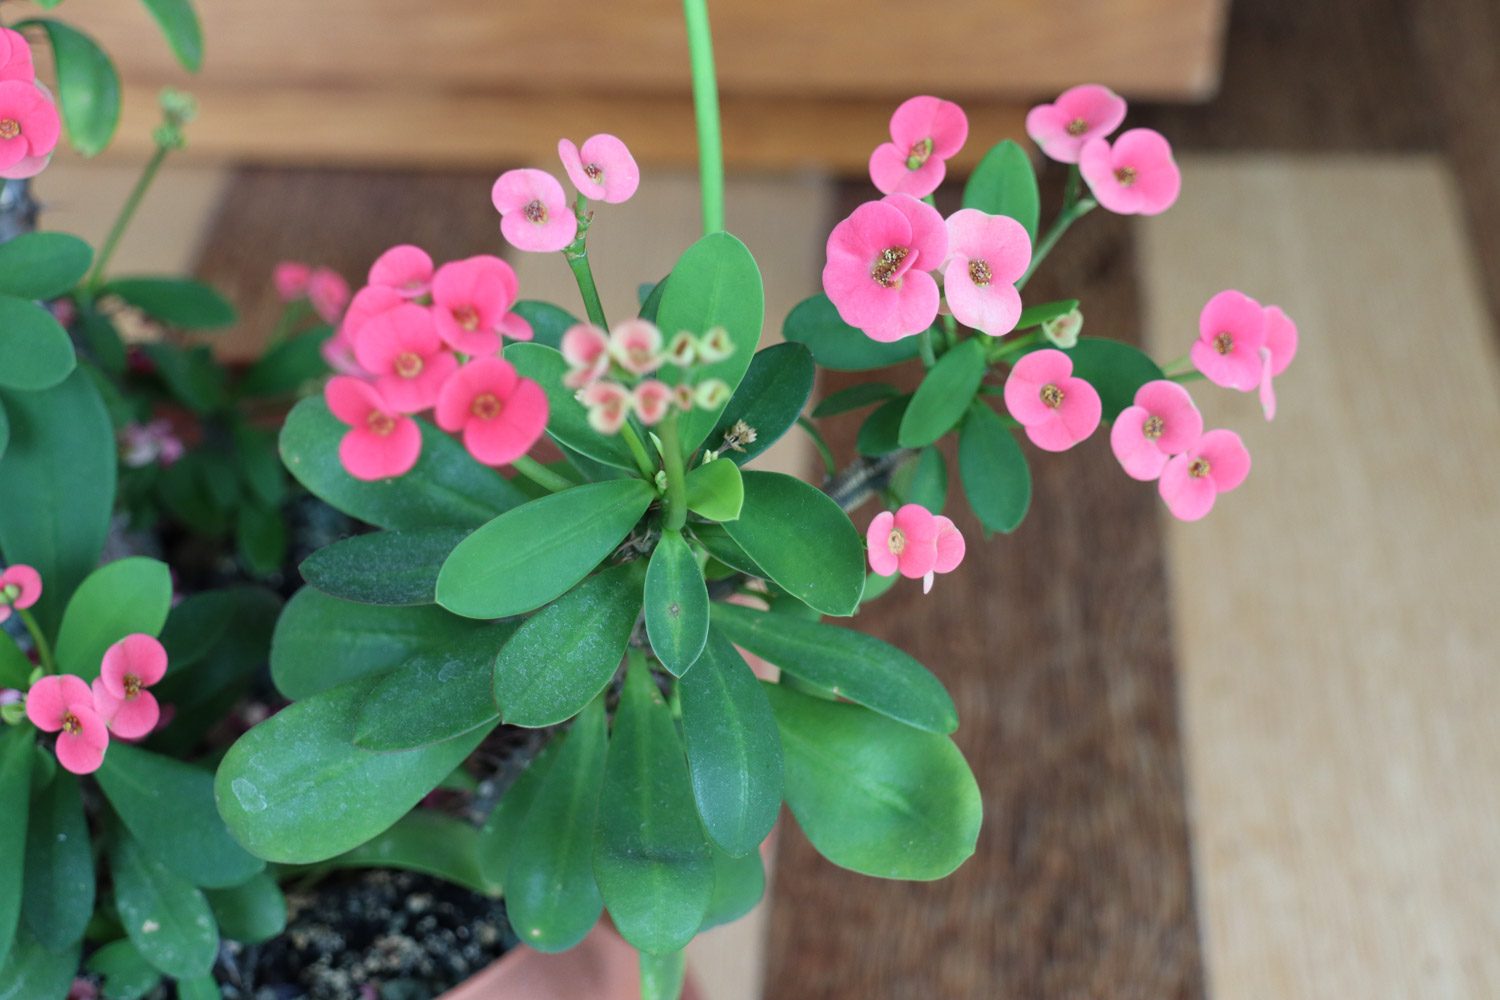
x,y
388,568
1038,314
855,397
944,394
43,265
1004,183
88,88
15,790
180,302
439,694
30,972
251,912
118,599
179,23
739,883
996,478
433,843
127,974
716,490
288,366
166,917
717,543
567,419
497,837
835,344
880,434
924,481
59,892
548,322
768,401
676,604
37,351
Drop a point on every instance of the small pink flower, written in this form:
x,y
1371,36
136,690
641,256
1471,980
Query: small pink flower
x,y
651,400
950,551
30,166
368,302
637,345
15,57
63,704
20,587
878,260
500,413
381,443
1163,422
1191,481
1079,114
338,354
987,254
145,444
905,541
1056,408
290,278
682,351
29,125
608,405
925,132
585,348
1135,176
129,667
405,268
1231,332
329,293
534,212
602,170
1279,349
410,361
470,298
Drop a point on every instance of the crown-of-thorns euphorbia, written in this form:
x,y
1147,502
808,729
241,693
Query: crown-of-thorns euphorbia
x,y
405,269
500,414
1231,333
1056,408
15,57
636,346
1161,423
1134,176
878,263
914,542
120,696
987,255
534,212
410,361
29,123
65,705
471,302
1061,129
925,133
20,587
1216,464
381,442
585,348
602,170
329,294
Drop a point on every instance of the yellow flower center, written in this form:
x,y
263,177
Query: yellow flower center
x,y
1153,427
1224,343
896,541
535,212
466,317
71,725
1077,126
9,128
486,407
380,423
1199,468
1052,395
884,271
408,365
979,273
1126,176
132,686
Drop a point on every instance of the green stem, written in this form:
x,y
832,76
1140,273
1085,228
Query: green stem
x,y
817,439
579,262
706,106
999,350
662,975
1065,218
541,475
638,451
43,650
1191,376
1184,362
122,221
671,447
291,317
924,346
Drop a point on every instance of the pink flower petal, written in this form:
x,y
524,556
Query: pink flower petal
x,y
603,169
290,278
1227,457
329,293
1023,386
878,538
47,701
915,307
27,581
1231,332
941,122
352,400
36,118
406,269
950,546
1182,424
1157,179
1267,390
135,717
1081,408
511,434
1188,497
534,211
15,57
369,455
137,655
929,234
1281,339
1138,455
1098,108
78,755
514,326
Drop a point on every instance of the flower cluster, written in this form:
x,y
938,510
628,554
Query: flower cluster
x,y
1243,345
323,287
418,338
914,542
533,207
1134,176
599,365
29,123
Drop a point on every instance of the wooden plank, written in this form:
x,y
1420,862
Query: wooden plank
x,y
1335,619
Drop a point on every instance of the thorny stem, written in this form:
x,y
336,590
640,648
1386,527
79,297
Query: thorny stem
x,y
706,107
541,475
43,650
127,212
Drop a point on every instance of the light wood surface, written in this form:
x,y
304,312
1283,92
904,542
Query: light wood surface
x,y
1335,617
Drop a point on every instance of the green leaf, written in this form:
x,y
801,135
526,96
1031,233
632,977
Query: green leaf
x,y
880,433
835,344
924,481
4,431
651,859
446,488
180,302
716,541
676,604
166,917
535,553
876,585
1004,183
873,795
422,841
199,988
435,696
739,883
322,642
733,750
1039,314
386,567
168,805
502,827
251,912
296,788
567,419
59,894
187,490
288,366
57,487
1117,370
37,351
768,400
663,976
118,599
716,490
567,652
550,892
179,23
190,375
850,664
260,538
855,397
127,974
102,341
802,540
15,668
88,88
944,394
33,973
548,322
651,302
15,791
715,283
996,478
259,465
43,265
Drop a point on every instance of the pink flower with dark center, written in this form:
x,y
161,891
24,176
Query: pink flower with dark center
x,y
290,278
585,348
950,551
63,704
469,300
20,587
329,293
637,345
15,57
29,125
1062,128
602,170
30,166
368,302
878,259
1135,176
987,254
129,667
608,404
651,400
534,212
1056,408
408,358
1279,349
1193,480
1231,332
925,132
381,442
405,268
905,542
1162,422
500,413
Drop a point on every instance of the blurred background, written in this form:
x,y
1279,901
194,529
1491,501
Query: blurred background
x,y
1251,757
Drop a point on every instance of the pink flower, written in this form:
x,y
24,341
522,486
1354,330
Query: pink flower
x,y
329,293
1231,332
408,358
1191,481
30,166
987,254
368,302
1079,114
500,413
1135,176
651,399
585,348
1057,409
603,170
905,541
63,704
144,444
534,212
950,551
925,132
469,299
1163,422
290,278
405,268
637,345
29,125
129,667
878,260
381,443
1279,349
20,587
15,57
338,354
608,405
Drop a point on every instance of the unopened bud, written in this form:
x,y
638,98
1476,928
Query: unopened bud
x,y
1063,330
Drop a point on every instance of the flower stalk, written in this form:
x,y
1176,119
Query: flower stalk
x,y
706,108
